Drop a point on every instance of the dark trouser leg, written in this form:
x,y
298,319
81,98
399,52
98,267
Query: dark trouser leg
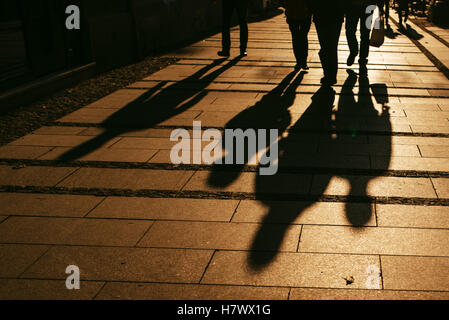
x,y
304,39
352,20
364,37
300,30
406,11
227,10
387,11
294,30
242,11
328,35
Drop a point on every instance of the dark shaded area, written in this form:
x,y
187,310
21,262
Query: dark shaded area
x,y
390,33
24,119
270,112
154,107
355,112
410,32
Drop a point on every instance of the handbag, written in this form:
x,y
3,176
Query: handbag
x,y
378,34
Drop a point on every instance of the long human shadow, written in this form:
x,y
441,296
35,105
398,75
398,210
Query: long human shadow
x,y
351,118
154,107
271,112
411,32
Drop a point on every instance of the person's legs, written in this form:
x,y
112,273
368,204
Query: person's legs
x,y
304,41
352,19
402,11
300,30
227,10
364,36
294,30
333,55
242,11
406,10
328,36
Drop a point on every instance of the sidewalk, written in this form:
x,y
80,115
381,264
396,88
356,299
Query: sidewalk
x,y
363,184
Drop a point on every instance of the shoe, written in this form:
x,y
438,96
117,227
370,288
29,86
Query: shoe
x,y
325,81
301,66
351,59
224,53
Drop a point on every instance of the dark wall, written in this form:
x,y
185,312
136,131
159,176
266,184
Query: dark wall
x,y
113,33
163,24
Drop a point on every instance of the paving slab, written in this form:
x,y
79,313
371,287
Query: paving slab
x,y
409,216
373,186
156,291
71,231
353,294
299,212
127,179
123,264
289,269
23,289
22,152
415,273
441,186
24,204
33,176
104,155
386,241
17,258
410,163
246,182
213,235
165,209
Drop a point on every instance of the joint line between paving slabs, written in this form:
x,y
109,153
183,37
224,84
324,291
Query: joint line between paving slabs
x,y
235,211
51,246
207,266
299,238
145,233
188,180
381,273
67,176
434,188
95,207
99,291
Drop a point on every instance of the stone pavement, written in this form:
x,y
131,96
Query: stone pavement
x,y
363,184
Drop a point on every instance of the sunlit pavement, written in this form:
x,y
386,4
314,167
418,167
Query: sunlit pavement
x,y
359,208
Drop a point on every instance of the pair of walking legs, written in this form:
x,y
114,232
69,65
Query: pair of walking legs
x,y
354,16
328,36
229,6
300,30
403,11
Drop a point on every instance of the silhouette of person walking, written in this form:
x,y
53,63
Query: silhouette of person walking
x,y
355,112
228,7
328,17
403,11
299,19
359,11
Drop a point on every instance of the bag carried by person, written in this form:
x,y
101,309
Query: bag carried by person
x,y
378,33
